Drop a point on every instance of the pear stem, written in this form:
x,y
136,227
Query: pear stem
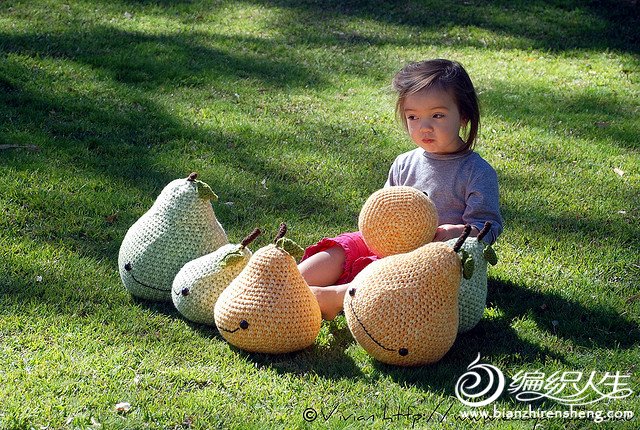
x,y
281,232
484,231
462,238
192,177
252,236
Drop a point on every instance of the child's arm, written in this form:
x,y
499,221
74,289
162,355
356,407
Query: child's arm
x,y
445,232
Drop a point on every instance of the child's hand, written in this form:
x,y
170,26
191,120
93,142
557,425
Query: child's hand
x,y
451,231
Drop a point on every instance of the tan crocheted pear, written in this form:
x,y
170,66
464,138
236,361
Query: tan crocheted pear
x,y
398,219
403,309
269,308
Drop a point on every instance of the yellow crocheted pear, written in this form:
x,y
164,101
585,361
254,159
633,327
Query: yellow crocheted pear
x,y
269,308
180,226
403,309
396,220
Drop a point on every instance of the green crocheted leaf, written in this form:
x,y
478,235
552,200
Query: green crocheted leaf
x,y
232,258
490,255
468,265
291,247
205,192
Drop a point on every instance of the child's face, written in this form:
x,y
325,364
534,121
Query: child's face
x,y
433,121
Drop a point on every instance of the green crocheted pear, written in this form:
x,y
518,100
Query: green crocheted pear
x,y
473,291
180,226
199,283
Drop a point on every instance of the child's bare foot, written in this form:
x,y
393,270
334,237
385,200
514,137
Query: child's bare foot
x,y
330,299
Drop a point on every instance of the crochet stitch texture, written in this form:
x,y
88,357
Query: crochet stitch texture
x,y
397,219
179,227
403,309
473,292
269,308
200,282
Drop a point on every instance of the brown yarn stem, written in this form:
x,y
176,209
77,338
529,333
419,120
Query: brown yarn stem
x,y
252,236
484,231
462,238
192,177
281,232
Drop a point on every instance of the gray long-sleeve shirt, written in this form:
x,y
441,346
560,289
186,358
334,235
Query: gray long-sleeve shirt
x,y
463,187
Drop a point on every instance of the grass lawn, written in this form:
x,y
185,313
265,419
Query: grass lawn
x,y
284,108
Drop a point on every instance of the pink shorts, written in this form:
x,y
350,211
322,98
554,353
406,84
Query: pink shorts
x,y
357,254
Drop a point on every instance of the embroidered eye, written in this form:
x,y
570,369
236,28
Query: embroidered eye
x,y
244,325
403,352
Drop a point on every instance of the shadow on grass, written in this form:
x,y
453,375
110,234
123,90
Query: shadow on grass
x,y
590,327
122,138
539,24
115,129
327,361
121,131
166,61
586,113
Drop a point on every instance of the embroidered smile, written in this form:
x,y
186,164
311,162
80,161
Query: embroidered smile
x,y
402,351
129,268
243,325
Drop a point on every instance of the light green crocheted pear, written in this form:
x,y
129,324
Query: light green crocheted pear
x,y
180,226
199,283
473,291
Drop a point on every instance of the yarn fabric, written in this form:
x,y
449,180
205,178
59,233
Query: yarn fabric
x,y
180,226
403,309
269,308
396,220
473,292
200,282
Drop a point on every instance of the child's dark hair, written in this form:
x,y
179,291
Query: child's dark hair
x,y
444,75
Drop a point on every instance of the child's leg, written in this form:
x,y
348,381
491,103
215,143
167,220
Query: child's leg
x,y
323,268
330,299
321,271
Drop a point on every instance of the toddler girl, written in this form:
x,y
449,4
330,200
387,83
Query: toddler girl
x,y
436,101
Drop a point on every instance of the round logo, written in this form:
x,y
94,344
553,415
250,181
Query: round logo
x,y
481,385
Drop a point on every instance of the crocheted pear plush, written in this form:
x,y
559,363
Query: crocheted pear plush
x,y
199,283
179,227
403,309
473,291
269,308
398,219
